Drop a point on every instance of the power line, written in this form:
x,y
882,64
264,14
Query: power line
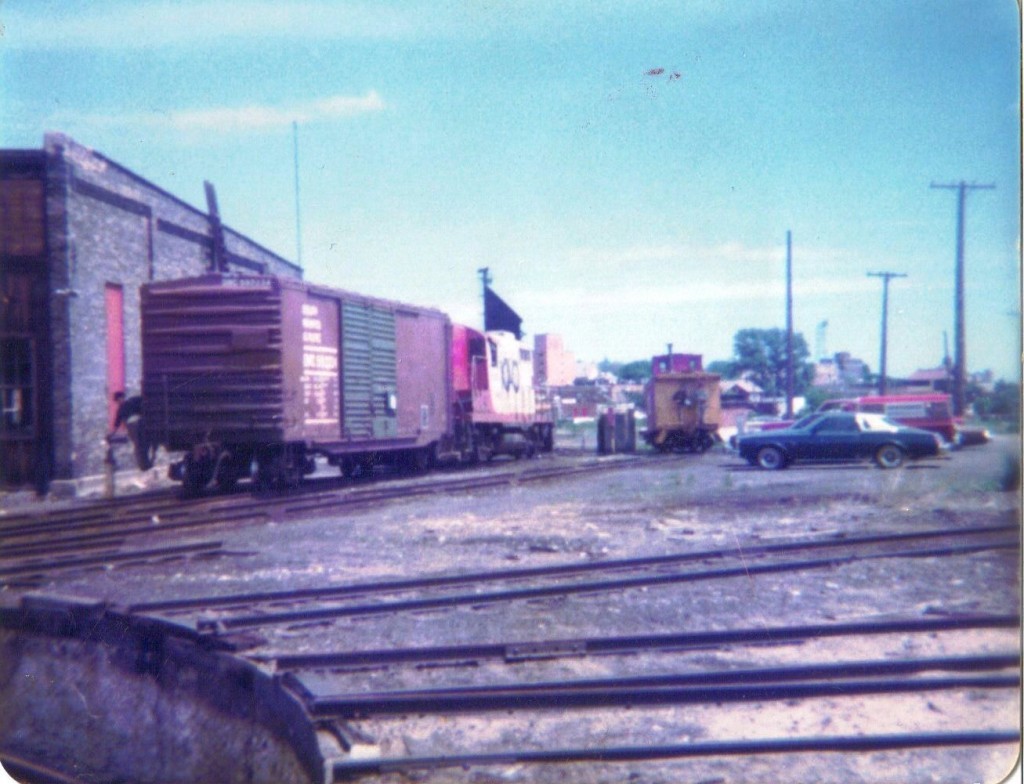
x,y
883,373
960,359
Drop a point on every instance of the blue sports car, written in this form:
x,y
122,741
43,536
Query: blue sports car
x,y
839,436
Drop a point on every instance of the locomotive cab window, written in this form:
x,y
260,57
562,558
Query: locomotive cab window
x,y
493,348
476,347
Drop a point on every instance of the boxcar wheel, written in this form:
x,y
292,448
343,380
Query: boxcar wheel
x,y
197,475
889,456
423,459
771,458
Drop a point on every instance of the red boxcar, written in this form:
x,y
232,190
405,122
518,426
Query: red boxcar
x,y
240,369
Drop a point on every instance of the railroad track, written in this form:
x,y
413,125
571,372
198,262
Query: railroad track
x,y
356,716
33,546
235,612
346,713
522,681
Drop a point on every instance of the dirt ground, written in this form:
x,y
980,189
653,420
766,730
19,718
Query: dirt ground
x,y
670,505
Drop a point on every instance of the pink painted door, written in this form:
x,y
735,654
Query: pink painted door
x,y
115,347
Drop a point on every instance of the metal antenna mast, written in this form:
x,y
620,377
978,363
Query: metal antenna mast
x,y
960,358
486,280
883,376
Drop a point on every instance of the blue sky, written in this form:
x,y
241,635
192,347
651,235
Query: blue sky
x,y
627,170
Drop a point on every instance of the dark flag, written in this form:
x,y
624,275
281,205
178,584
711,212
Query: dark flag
x,y
499,316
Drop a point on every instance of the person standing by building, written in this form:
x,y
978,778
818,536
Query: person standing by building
x,y
129,415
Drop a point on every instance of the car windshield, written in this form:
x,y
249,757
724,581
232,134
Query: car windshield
x,y
877,422
804,422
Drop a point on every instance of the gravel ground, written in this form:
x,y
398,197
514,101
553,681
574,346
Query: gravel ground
x,y
664,505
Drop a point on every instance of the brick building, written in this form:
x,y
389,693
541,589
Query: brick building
x,y
79,234
553,364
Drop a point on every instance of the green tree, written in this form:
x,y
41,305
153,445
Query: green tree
x,y
726,368
1003,402
761,353
638,371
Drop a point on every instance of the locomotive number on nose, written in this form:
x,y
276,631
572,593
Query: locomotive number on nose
x,y
510,375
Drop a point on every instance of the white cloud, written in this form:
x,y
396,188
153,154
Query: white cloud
x,y
235,119
232,119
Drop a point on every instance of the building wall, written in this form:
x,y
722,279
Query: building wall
x,y
554,365
108,225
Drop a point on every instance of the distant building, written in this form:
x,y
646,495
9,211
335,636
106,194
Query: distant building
x,y
826,373
553,364
579,402
842,370
937,379
984,379
740,393
587,370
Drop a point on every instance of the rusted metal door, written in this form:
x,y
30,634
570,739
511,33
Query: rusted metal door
x,y
115,347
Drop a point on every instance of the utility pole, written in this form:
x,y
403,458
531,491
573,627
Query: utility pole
x,y
789,325
960,357
883,377
298,213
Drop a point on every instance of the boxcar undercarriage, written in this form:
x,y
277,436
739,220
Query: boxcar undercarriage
x,y
281,466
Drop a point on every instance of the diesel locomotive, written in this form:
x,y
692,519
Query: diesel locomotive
x,y
256,375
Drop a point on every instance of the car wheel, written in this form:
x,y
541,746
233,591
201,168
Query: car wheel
x,y
771,458
889,456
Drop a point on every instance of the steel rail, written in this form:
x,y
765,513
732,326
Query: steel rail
x,y
34,567
569,698
356,497
395,586
830,680
77,510
744,569
196,512
746,748
527,650
97,542
76,542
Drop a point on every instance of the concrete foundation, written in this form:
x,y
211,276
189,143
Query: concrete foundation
x,y
100,696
